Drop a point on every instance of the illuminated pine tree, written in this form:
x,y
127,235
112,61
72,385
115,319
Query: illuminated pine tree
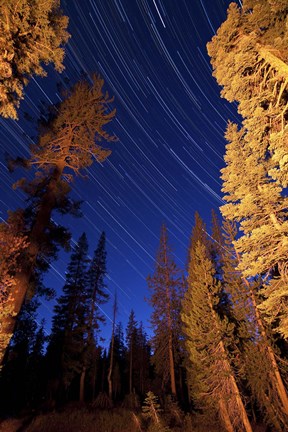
x,y
249,58
210,339
68,143
12,245
257,357
32,34
166,286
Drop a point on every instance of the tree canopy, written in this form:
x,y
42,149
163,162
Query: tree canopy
x,y
249,58
32,34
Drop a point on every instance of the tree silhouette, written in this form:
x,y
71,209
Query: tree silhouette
x,y
166,286
68,143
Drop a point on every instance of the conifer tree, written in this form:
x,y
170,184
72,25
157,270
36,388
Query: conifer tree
x,y
142,361
256,351
65,351
131,341
210,375
68,142
249,58
96,295
166,286
11,247
118,373
32,34
111,354
151,410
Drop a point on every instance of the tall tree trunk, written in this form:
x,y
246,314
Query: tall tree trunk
x,y
242,410
275,373
233,385
225,416
22,278
170,334
82,384
131,368
172,368
110,386
93,382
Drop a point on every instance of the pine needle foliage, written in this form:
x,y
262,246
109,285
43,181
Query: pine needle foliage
x,y
166,286
210,342
69,141
151,410
69,326
32,34
249,59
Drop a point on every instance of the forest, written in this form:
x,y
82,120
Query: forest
x,y
217,358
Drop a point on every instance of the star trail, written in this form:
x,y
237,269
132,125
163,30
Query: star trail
x,y
170,122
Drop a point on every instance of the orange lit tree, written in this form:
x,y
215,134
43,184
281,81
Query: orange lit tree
x,y
68,142
249,57
210,335
32,33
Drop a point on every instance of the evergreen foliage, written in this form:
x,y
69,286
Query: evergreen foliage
x,y
256,352
69,328
97,294
32,34
68,142
11,247
210,337
166,286
249,58
131,341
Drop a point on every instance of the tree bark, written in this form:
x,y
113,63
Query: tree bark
x,y
109,378
274,370
172,367
225,416
82,385
131,367
170,335
242,411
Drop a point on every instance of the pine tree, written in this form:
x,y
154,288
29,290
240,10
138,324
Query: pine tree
x,y
256,350
68,143
111,354
249,58
12,245
142,361
65,351
119,353
131,341
96,295
209,335
151,410
166,286
32,34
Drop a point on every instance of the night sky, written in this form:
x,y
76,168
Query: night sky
x,y
170,123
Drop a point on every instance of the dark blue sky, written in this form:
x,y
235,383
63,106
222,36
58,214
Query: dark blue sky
x,y
170,122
